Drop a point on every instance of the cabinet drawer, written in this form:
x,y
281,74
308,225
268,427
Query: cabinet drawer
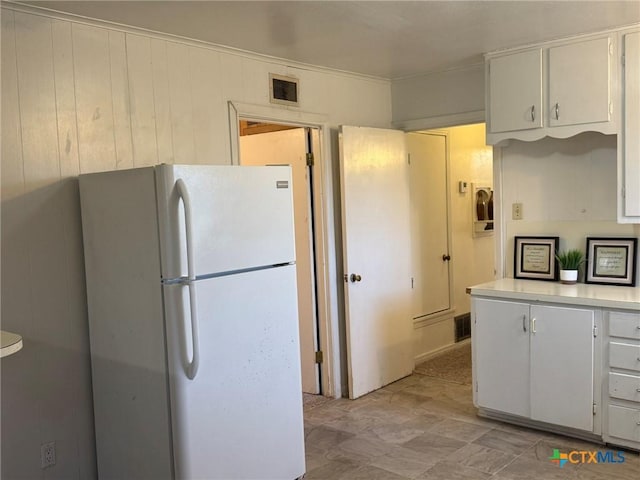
x,y
624,324
624,355
624,423
625,387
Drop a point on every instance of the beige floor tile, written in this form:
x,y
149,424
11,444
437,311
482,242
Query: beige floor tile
x,y
405,462
508,442
360,449
527,469
465,431
333,470
436,447
323,438
447,470
396,433
370,472
484,459
428,429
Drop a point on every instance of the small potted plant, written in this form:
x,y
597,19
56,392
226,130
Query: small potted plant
x,y
569,262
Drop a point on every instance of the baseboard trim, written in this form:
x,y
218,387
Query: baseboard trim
x,y
434,353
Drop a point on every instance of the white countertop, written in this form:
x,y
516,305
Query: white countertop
x,y
10,343
579,294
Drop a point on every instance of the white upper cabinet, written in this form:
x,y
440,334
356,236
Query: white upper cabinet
x,y
557,89
515,96
629,151
579,83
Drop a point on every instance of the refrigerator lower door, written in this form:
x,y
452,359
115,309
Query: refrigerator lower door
x,y
241,415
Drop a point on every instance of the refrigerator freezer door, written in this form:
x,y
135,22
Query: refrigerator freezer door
x,y
241,415
242,218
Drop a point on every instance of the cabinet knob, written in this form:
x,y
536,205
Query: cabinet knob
x,y
355,278
446,257
557,111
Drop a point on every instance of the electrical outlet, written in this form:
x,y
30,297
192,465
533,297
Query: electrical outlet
x,y
48,454
516,211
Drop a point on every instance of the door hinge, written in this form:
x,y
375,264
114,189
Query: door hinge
x,y
408,158
623,60
595,330
319,357
595,408
623,192
411,283
476,386
310,159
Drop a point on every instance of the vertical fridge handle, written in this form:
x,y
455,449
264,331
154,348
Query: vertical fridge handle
x,y
183,193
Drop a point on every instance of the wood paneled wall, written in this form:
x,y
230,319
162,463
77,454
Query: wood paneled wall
x,y
84,97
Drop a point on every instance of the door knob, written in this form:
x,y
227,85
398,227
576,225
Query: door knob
x,y
355,278
446,257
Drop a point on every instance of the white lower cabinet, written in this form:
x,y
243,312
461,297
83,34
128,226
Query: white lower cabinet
x,y
535,361
622,422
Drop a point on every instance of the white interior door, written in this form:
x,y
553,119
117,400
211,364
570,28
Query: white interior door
x,y
289,147
429,222
377,257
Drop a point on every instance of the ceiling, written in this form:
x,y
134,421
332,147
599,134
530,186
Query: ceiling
x,y
389,39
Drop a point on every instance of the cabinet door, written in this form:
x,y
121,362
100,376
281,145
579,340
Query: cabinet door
x,y
631,138
515,91
579,83
501,355
562,366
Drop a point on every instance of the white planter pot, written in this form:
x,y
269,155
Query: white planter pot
x,y
568,277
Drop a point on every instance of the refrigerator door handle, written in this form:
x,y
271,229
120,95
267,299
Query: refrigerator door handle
x,y
192,369
183,193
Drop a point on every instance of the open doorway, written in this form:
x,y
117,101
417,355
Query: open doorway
x,y
447,166
263,143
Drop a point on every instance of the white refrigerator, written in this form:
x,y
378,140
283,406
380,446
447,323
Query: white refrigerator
x,y
191,289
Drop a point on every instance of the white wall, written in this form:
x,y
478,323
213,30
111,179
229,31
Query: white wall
x,y
567,188
79,98
452,97
473,257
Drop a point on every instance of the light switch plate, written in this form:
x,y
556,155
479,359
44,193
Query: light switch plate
x,y
516,211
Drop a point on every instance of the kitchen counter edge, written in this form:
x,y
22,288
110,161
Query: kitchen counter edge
x,y
605,296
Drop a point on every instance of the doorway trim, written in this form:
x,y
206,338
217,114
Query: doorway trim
x,y
324,235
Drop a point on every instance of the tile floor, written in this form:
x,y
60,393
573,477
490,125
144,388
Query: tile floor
x,y
426,428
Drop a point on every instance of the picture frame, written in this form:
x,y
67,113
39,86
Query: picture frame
x,y
612,261
535,258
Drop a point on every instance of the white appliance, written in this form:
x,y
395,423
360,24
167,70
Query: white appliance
x,y
191,287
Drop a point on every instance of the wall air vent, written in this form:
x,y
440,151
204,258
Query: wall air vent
x,y
283,90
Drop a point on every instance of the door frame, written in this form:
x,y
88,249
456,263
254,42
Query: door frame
x,y
324,234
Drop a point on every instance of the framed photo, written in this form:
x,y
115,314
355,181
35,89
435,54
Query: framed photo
x,y
611,261
535,258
